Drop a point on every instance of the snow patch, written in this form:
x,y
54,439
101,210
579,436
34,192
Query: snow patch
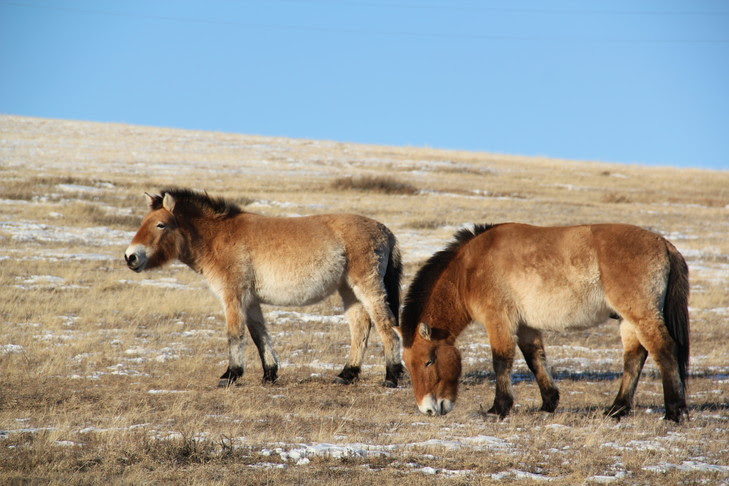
x,y
68,443
31,232
45,282
77,188
162,283
603,479
88,430
687,466
336,451
291,316
11,348
520,475
477,442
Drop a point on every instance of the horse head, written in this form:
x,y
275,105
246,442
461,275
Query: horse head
x,y
158,239
434,365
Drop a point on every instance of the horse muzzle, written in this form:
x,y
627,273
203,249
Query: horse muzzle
x,y
429,405
136,258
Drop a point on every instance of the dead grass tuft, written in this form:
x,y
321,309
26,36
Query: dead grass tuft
x,y
381,184
427,224
614,198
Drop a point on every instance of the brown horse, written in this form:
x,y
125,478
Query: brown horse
x,y
250,259
517,280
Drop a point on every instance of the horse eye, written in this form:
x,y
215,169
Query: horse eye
x,y
429,362
161,225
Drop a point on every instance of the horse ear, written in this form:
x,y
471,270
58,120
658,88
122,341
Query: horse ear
x,y
424,331
150,199
168,202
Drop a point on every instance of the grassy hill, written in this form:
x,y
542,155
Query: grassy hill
x,y
106,375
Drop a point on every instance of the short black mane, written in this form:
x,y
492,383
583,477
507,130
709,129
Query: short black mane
x,y
426,277
199,202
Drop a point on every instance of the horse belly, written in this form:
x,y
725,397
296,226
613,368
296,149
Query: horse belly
x,y
279,283
580,304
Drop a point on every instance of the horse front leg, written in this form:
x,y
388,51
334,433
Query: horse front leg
x,y
236,343
503,347
634,356
259,334
532,347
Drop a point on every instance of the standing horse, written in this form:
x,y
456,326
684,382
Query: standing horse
x,y
249,260
518,280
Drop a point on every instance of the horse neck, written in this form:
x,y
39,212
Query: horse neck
x,y
195,242
446,309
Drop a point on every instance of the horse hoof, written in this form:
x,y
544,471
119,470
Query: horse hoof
x,y
501,414
617,412
349,375
676,416
230,376
393,373
389,384
270,375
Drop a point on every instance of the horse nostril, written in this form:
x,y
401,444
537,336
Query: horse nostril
x,y
130,259
430,411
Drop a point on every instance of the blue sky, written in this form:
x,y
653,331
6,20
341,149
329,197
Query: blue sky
x,y
620,81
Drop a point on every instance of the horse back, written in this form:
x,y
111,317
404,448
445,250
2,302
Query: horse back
x,y
559,277
297,260
293,238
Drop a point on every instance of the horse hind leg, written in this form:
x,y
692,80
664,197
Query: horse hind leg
x,y
661,346
532,347
375,306
384,322
359,331
634,356
257,327
654,337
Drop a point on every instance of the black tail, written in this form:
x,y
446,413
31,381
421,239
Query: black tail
x,y
393,275
675,310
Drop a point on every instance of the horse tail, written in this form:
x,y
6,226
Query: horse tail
x,y
393,274
675,309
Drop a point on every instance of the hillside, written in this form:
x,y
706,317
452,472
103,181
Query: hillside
x,y
110,375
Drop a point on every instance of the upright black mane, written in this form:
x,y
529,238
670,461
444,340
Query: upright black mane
x,y
426,277
195,201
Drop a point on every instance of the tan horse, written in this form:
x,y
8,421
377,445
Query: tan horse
x,y
517,280
249,260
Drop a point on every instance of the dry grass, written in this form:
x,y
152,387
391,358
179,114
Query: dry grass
x,y
385,185
108,376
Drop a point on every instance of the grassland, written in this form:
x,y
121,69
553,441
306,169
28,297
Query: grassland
x,y
109,377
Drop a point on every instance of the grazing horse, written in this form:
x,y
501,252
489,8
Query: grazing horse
x,y
518,280
249,259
